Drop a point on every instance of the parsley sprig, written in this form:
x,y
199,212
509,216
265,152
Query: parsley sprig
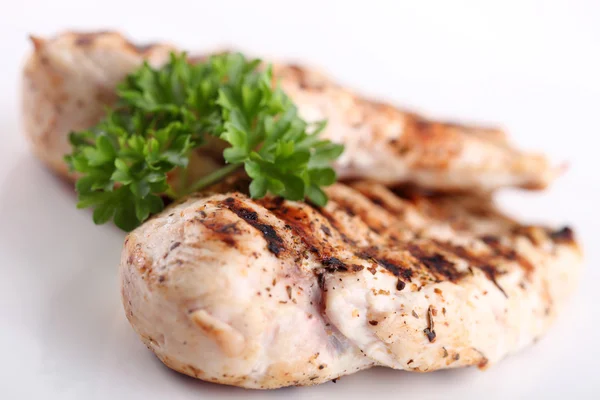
x,y
163,115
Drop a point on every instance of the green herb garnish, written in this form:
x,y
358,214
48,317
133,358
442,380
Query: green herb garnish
x,y
163,115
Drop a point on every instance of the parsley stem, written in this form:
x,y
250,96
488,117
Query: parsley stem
x,y
213,177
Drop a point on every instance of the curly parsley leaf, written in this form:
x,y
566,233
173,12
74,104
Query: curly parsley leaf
x,y
163,115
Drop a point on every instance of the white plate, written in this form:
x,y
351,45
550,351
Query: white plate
x,y
63,334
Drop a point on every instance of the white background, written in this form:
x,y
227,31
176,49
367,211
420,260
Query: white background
x,y
532,66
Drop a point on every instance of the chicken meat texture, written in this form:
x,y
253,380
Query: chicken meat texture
x,y
69,80
271,293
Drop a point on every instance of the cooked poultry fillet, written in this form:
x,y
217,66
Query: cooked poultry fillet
x,y
69,79
270,293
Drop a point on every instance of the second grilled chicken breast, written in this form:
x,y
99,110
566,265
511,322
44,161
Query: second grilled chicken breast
x,y
69,80
271,293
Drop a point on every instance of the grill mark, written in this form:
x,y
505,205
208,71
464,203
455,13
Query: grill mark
x,y
414,194
375,200
459,210
348,236
304,226
299,222
333,264
334,224
508,253
224,232
274,242
435,262
397,267
379,200
377,232
491,240
564,235
397,270
364,210
482,264
395,209
319,231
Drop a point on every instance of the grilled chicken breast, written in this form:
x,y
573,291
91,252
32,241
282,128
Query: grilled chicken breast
x,y
69,79
270,293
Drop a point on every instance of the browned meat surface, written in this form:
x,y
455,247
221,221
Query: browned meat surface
x,y
69,79
271,293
